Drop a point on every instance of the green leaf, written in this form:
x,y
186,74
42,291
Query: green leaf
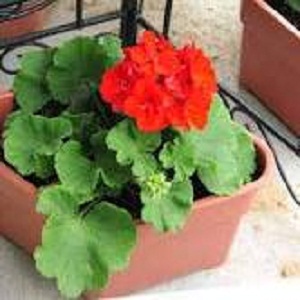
x,y
44,166
245,154
112,46
84,101
56,200
30,141
134,148
113,174
223,153
30,86
77,173
84,126
226,153
166,204
180,156
294,4
78,64
81,253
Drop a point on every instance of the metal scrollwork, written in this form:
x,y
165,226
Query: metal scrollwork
x,y
7,54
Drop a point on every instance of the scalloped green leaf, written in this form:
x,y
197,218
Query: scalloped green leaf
x,y
134,148
77,64
113,174
112,46
223,153
44,166
57,200
77,173
166,204
294,4
180,156
81,253
78,67
30,141
84,126
30,86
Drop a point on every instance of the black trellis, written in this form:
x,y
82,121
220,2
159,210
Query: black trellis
x,y
131,18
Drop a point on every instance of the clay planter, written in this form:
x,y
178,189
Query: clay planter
x,y
270,60
25,24
6,105
203,243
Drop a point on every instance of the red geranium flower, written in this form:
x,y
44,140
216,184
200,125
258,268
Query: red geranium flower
x,y
117,84
194,86
145,106
199,67
154,55
160,86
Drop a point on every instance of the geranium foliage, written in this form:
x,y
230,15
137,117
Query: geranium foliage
x,y
166,204
83,251
222,154
134,148
294,4
31,140
29,86
110,134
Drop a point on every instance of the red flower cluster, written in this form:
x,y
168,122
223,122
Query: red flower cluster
x,y
160,86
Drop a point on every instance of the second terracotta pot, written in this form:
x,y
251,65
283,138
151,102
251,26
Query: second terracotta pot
x,y
6,105
270,60
25,24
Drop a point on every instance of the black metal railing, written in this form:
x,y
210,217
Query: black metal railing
x,y
131,18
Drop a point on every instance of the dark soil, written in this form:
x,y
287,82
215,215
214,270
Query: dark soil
x,y
291,15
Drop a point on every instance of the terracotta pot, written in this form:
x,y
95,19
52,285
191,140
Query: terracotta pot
x,y
25,24
270,60
203,243
6,105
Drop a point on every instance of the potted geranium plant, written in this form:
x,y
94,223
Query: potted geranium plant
x,y
25,23
270,61
136,166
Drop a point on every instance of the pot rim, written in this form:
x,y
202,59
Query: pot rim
x,y
5,94
277,17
